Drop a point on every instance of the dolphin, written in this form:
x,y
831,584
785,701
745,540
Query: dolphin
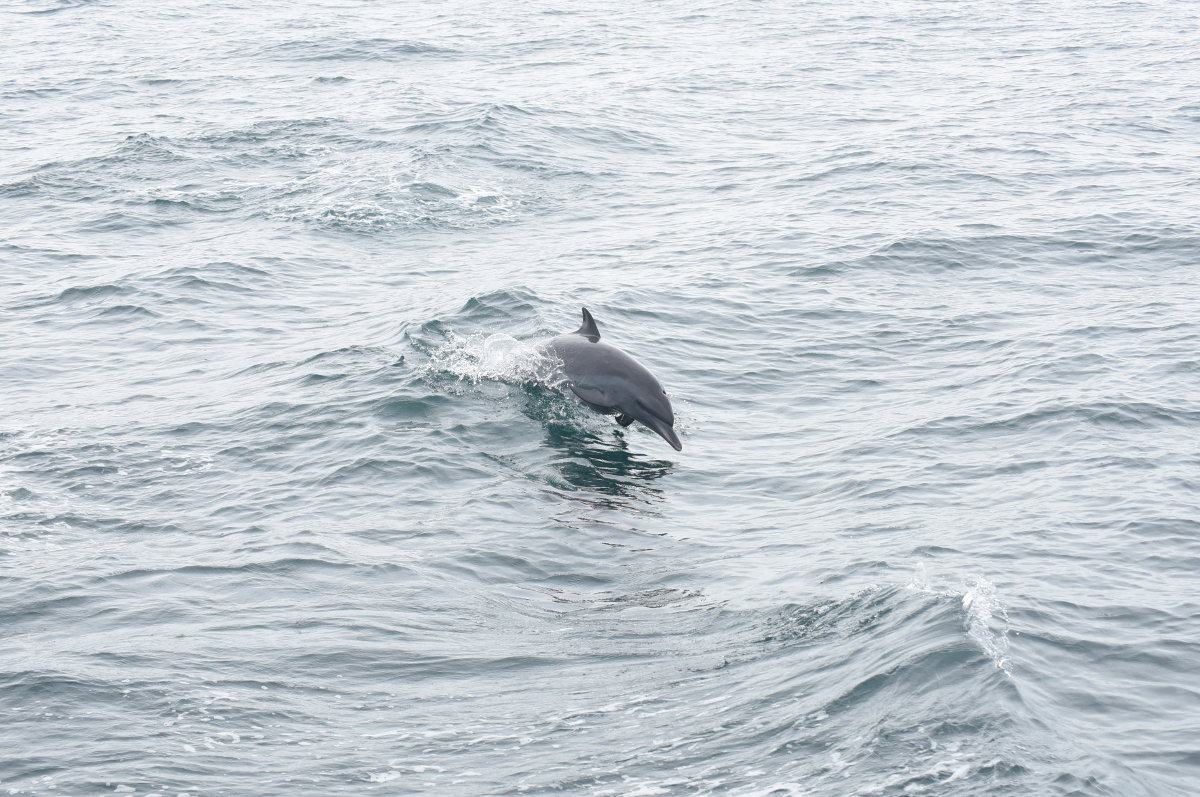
x,y
611,382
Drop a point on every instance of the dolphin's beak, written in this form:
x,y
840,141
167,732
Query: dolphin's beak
x,y
663,428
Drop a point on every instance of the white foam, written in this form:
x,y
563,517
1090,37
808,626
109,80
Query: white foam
x,y
499,358
959,773
987,620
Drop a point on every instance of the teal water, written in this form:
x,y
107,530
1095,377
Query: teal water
x,y
285,509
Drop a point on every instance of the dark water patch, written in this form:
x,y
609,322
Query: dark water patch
x,y
590,462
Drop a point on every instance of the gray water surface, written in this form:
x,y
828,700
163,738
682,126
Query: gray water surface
x,y
284,509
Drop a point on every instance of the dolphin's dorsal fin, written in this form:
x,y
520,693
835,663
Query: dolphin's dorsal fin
x,y
589,329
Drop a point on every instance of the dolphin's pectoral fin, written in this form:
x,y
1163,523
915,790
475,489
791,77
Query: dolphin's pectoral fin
x,y
592,396
624,419
589,329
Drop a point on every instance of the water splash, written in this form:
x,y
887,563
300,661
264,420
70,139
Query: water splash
x,y
987,620
498,357
920,579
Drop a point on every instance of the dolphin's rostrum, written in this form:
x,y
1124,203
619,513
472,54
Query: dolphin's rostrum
x,y
613,383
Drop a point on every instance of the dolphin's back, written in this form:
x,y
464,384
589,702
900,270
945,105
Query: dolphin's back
x,y
598,370
585,362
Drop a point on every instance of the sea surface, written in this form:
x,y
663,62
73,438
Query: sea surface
x,y
286,507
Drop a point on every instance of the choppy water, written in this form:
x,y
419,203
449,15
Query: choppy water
x,y
284,514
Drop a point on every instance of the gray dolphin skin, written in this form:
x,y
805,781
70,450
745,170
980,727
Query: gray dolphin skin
x,y
613,383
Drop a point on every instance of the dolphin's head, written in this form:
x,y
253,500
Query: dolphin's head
x,y
654,412
655,402
664,429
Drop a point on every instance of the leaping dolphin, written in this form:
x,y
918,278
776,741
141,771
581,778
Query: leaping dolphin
x,y
613,383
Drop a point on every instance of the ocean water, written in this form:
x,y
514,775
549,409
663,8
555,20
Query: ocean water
x,y
287,508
